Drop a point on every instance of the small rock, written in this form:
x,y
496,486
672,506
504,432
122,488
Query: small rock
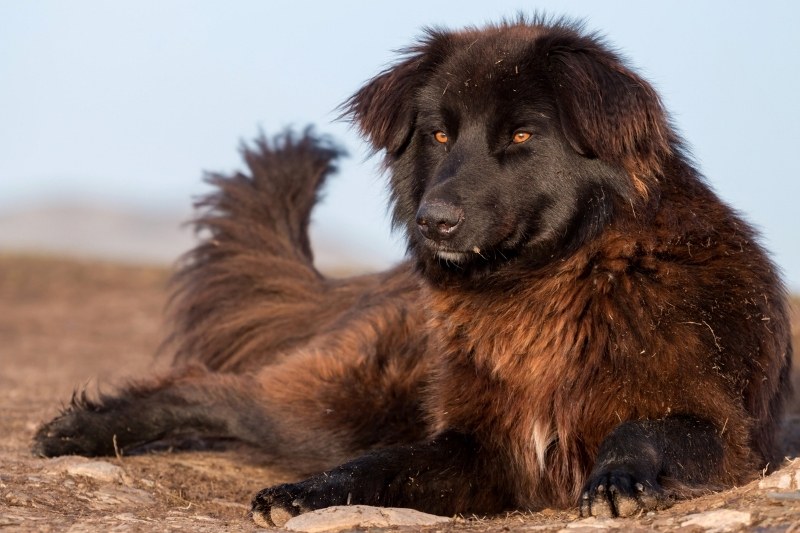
x,y
784,496
721,520
97,470
778,480
364,516
111,497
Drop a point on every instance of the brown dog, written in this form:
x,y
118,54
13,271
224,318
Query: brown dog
x,y
581,321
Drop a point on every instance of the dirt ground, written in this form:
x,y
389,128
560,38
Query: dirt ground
x,y
67,324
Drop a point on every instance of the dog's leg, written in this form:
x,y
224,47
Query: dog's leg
x,y
637,457
445,476
191,402
293,424
310,412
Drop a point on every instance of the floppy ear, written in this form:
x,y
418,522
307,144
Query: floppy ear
x,y
384,108
609,112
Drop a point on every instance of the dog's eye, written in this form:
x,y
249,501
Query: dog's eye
x,y
520,137
441,137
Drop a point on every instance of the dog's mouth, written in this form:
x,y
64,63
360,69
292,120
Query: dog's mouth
x,y
453,256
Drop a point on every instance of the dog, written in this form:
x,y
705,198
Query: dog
x,y
581,321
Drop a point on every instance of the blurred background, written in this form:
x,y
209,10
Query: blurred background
x,y
110,112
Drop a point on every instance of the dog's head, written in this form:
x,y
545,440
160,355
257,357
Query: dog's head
x,y
517,140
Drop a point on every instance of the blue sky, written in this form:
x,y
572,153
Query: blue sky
x,y
128,102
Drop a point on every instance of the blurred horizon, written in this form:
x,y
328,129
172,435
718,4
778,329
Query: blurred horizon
x,y
117,109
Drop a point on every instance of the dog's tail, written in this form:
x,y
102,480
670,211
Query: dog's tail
x,y
249,289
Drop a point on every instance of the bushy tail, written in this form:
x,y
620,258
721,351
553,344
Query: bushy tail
x,y
249,289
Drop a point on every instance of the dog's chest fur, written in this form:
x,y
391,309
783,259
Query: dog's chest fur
x,y
513,368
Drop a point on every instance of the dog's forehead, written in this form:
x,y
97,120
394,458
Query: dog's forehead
x,y
485,56
479,64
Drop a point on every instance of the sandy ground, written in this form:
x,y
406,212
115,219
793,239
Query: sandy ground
x,y
66,324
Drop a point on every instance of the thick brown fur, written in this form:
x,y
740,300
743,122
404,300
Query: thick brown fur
x,y
586,323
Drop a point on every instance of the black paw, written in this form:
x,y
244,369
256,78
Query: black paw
x,y
74,432
274,506
619,493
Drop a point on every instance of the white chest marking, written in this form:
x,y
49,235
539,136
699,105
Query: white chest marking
x,y
542,438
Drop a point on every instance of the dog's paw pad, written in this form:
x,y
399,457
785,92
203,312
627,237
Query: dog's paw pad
x,y
613,494
597,503
274,506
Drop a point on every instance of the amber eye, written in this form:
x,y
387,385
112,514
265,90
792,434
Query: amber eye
x,y
441,137
520,137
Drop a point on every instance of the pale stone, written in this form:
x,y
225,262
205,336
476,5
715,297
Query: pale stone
x,y
784,496
718,521
778,480
111,497
352,516
97,470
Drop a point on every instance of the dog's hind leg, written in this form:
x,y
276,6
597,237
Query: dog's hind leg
x,y
358,389
192,400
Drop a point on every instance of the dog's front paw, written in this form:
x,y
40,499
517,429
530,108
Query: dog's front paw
x,y
274,506
617,492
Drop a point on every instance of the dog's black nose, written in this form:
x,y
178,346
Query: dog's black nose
x,y
439,221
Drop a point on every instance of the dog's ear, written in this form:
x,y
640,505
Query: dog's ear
x,y
384,109
606,110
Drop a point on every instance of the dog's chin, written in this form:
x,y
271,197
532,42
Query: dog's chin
x,y
452,257
447,256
